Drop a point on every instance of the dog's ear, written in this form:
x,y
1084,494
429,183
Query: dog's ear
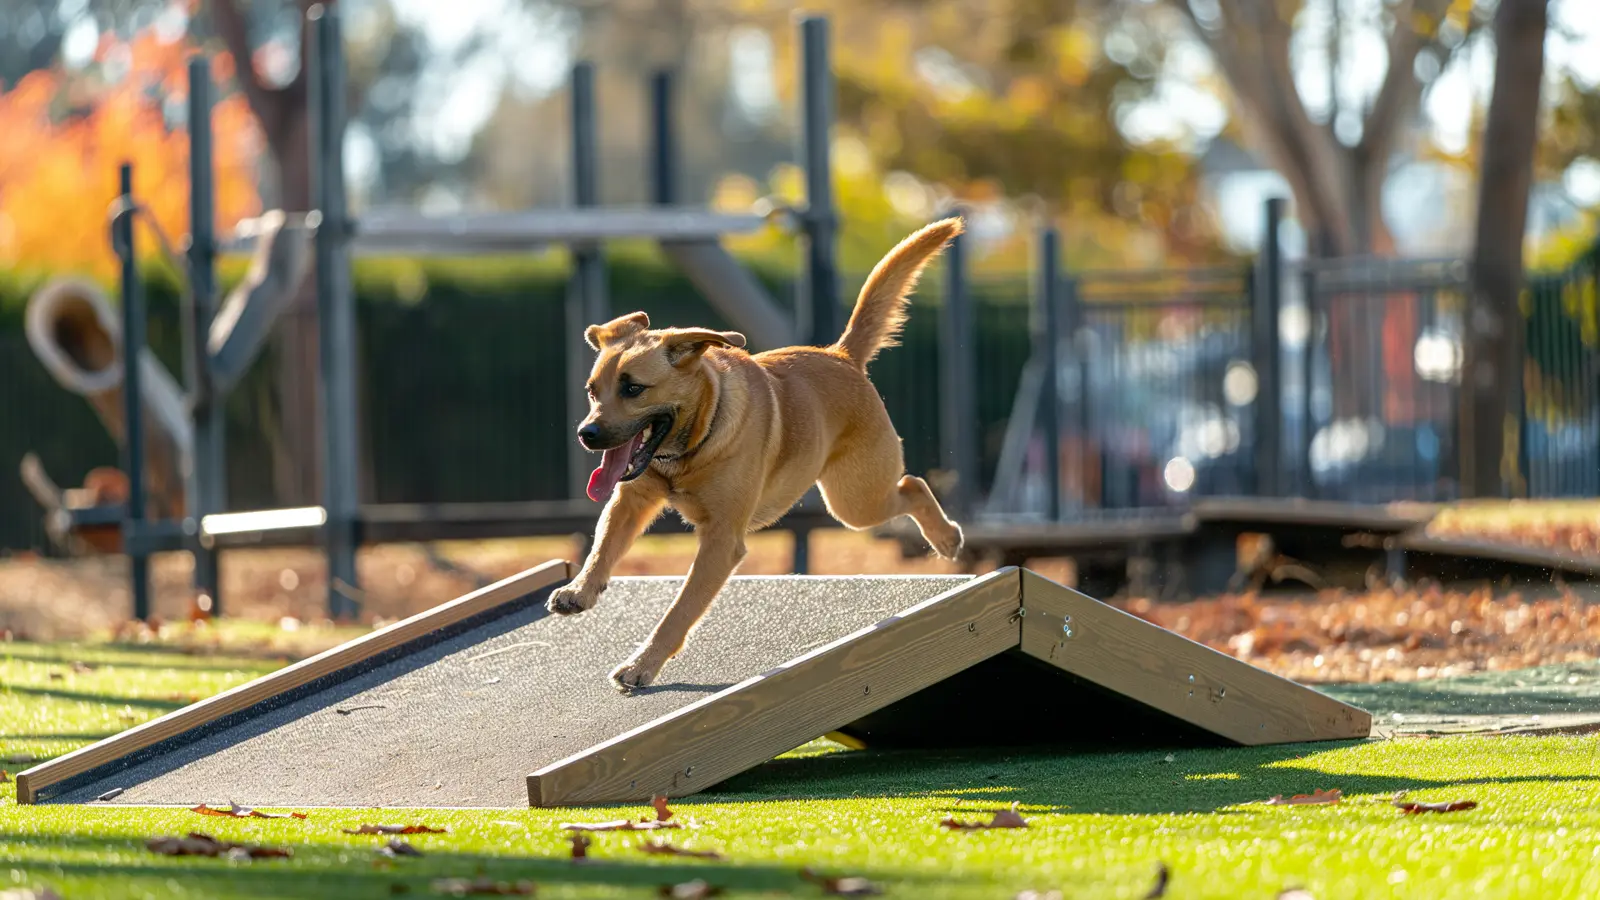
x,y
686,344
597,336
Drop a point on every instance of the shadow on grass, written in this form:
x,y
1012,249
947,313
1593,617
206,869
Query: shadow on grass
x,y
1138,783
336,870
45,693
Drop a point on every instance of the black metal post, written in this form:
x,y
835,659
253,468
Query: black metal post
x,y
208,480
1267,350
821,218
1308,422
1079,403
586,292
958,408
133,341
664,159
335,314
1046,338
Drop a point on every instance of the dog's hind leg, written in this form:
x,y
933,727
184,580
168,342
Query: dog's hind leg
x,y
866,489
630,511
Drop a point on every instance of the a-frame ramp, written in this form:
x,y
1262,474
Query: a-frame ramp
x,y
488,701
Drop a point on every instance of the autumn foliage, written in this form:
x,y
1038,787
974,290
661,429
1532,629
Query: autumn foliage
x,y
66,133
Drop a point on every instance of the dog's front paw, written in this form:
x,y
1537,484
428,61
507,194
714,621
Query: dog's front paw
x,y
571,599
636,673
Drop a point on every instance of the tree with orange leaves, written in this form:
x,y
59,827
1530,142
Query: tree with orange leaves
x,y
66,135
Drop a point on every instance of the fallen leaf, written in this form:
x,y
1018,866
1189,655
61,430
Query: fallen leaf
x,y
81,668
1413,807
1005,818
57,676
1159,889
619,825
659,801
197,843
845,886
235,811
397,847
394,829
483,885
689,890
580,846
1315,798
4,776
663,848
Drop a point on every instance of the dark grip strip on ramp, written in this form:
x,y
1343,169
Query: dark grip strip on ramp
x,y
461,721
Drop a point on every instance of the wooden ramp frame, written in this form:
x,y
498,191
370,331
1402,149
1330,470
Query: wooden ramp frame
x,y
1011,611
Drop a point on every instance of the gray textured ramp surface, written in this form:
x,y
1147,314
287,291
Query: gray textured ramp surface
x,y
462,722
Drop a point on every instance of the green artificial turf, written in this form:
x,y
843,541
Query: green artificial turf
x,y
1100,824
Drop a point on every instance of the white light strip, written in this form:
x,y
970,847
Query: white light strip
x,y
265,520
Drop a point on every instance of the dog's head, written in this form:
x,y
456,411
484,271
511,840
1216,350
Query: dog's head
x,y
644,384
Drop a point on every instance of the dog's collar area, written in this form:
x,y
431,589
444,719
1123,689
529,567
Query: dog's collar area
x,y
716,412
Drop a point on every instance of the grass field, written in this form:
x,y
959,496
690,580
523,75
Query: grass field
x,y
1099,825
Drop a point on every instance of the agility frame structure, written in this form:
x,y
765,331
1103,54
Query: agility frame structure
x,y
218,348
1085,643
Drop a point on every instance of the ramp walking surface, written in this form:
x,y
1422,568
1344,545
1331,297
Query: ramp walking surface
x,y
462,721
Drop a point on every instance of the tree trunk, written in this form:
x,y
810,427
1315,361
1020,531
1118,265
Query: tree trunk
x,y
1493,375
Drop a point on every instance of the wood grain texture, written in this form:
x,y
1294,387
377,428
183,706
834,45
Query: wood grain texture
x,y
1175,675
30,782
776,711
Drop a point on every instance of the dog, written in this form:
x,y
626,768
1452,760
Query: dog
x,y
686,418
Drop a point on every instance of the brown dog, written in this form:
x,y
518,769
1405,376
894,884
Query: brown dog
x,y
732,441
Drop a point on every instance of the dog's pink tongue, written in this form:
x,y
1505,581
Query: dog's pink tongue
x,y
613,463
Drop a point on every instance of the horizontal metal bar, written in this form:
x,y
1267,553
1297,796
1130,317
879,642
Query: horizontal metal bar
x,y
398,231
1116,302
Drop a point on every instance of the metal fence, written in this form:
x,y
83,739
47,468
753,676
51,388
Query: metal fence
x,y
1378,352
1339,380
1156,391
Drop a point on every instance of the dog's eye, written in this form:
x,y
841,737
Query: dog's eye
x,y
631,389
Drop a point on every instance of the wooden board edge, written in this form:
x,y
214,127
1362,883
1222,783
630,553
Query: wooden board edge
x,y
295,675
1419,541
1044,599
562,783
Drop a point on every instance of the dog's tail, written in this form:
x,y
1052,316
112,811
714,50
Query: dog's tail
x,y
881,307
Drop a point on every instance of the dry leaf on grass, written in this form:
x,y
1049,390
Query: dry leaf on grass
x,y
1159,889
82,668
4,776
235,811
1004,818
482,886
689,890
1413,807
57,676
646,824
1315,798
663,848
197,843
395,829
842,886
396,848
580,846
